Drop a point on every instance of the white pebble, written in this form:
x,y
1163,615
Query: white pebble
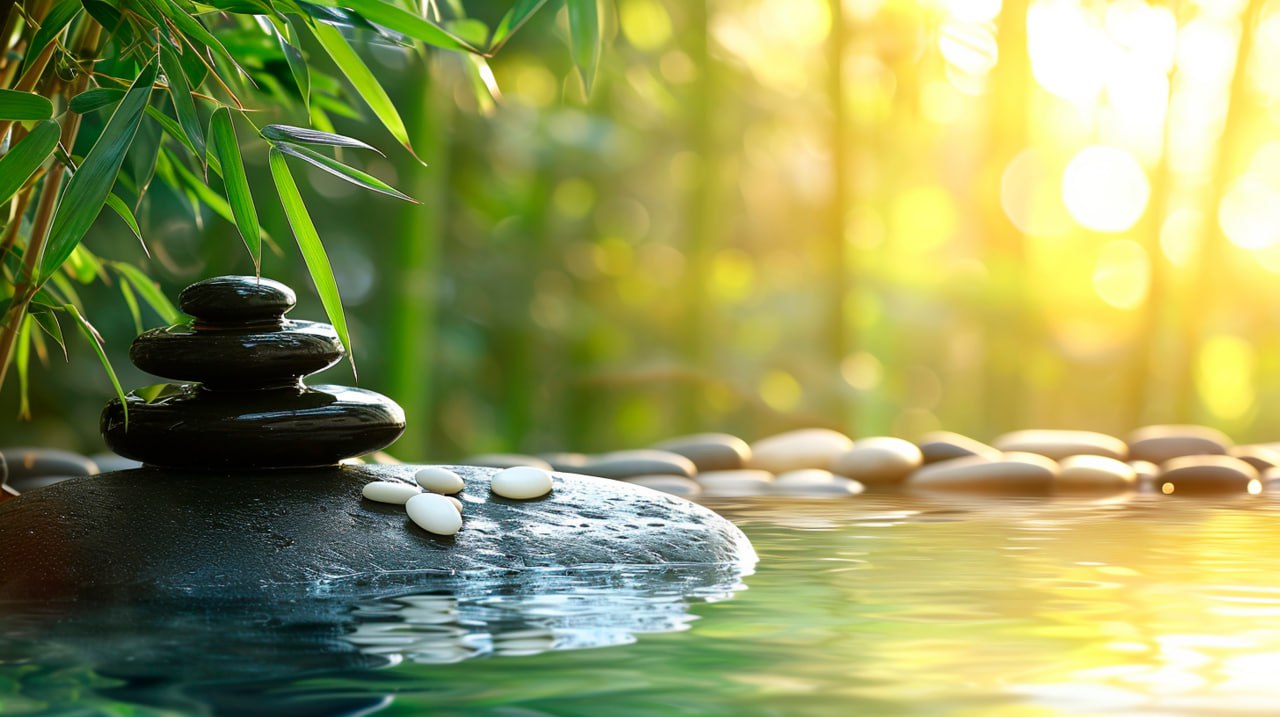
x,y
384,491
439,480
434,513
521,483
456,503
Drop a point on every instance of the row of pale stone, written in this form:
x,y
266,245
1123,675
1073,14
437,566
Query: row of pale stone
x,y
822,462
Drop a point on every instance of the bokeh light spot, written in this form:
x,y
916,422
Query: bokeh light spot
x,y
1105,189
1224,376
862,370
1122,274
1031,195
781,391
644,23
1249,212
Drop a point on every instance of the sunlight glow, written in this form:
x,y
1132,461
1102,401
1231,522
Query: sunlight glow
x,y
1105,189
1224,376
1122,274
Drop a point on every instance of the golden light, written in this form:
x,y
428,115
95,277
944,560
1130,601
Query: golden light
x,y
974,10
1071,54
645,23
1031,195
862,371
1224,376
969,47
1179,234
1249,212
1122,274
1105,189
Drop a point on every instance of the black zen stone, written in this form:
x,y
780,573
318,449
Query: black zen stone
x,y
238,359
245,299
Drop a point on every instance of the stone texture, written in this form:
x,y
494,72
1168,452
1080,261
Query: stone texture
x,y
1012,474
644,461
793,450
938,446
1164,442
1206,474
1058,444
293,533
506,460
1086,473
878,461
710,451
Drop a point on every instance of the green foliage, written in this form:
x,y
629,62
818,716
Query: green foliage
x,y
151,89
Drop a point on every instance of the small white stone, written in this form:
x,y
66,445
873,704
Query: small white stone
x,y
521,483
439,480
384,491
434,513
456,503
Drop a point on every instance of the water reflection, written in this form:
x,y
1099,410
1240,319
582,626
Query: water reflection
x,y
248,657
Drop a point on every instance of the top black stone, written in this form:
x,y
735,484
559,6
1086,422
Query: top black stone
x,y
237,299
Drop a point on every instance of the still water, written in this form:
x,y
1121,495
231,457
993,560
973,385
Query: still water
x,y
879,605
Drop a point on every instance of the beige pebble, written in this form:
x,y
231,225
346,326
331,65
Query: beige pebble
x,y
1058,444
1207,474
439,480
1094,473
938,446
674,484
814,483
1261,457
456,503
735,484
793,450
1164,442
878,461
392,492
1014,474
434,513
710,451
521,483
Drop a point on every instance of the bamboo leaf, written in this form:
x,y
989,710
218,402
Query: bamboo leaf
x,y
24,158
60,15
313,253
126,214
88,189
343,171
48,322
483,84
584,39
515,19
287,36
180,92
149,291
236,184
364,81
286,133
95,99
194,30
22,106
132,302
22,360
95,340
171,128
404,22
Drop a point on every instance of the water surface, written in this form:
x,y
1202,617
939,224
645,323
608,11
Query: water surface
x,y
879,605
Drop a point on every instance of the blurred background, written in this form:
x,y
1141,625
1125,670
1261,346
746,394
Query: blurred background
x,y
882,216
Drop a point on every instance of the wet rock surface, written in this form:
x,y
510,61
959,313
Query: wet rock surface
x,y
154,533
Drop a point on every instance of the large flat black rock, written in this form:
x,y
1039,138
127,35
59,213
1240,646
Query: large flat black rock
x,y
152,533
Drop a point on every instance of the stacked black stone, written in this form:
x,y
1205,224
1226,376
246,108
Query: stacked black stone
x,y
249,407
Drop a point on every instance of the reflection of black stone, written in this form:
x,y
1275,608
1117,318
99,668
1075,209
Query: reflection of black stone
x,y
250,409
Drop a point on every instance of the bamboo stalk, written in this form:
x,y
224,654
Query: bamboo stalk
x,y
837,259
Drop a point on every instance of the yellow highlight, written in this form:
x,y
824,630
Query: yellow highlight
x,y
1249,212
1255,487
924,218
1105,189
862,370
1122,274
781,391
1167,488
1224,376
645,24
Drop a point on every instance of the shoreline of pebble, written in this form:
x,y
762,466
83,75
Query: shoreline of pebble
x,y
1161,460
